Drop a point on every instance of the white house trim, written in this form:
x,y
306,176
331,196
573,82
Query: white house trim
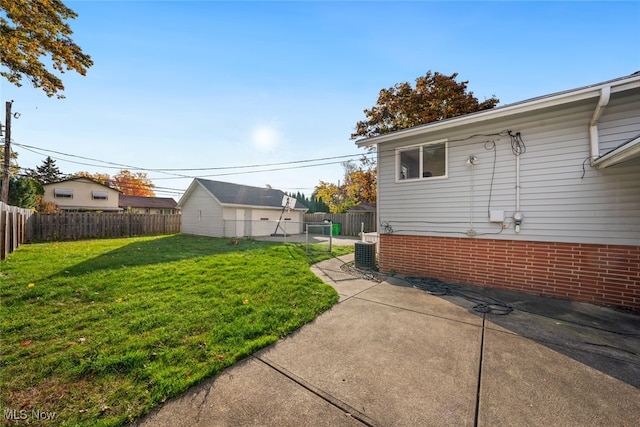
x,y
560,98
628,151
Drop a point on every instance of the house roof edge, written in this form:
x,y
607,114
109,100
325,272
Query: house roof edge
x,y
558,98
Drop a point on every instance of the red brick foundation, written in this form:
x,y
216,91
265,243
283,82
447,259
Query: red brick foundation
x,y
598,274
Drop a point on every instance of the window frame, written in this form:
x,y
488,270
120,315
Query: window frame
x,y
399,166
99,195
62,193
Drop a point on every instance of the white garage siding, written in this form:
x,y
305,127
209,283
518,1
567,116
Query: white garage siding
x,y
201,215
256,222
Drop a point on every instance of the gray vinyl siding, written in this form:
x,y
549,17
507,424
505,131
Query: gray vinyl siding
x,y
559,203
202,215
620,121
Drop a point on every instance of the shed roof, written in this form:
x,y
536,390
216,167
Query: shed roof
x,y
242,195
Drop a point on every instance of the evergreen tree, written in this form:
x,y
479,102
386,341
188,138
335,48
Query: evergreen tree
x,y
47,172
24,192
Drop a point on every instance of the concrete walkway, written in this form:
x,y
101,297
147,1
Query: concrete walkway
x,y
391,355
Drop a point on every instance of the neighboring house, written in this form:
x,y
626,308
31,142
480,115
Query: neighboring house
x,y
540,196
363,208
81,194
148,205
221,209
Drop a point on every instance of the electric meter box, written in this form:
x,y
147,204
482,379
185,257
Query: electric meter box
x,y
496,216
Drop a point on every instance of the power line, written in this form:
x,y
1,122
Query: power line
x,y
169,170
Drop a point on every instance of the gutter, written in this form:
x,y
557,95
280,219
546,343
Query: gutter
x,y
594,140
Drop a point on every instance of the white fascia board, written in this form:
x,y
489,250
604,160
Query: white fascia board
x,y
628,151
190,190
534,104
187,193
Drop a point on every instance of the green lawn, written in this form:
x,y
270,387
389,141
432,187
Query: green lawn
x,y
102,331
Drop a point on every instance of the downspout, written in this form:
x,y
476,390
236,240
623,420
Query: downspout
x,y
605,94
517,183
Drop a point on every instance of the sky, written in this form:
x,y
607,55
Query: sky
x,y
184,89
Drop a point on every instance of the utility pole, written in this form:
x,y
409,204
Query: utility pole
x,y
7,153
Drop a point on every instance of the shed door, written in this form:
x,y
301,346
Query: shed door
x,y
240,223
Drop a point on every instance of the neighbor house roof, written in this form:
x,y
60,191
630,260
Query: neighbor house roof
x,y
82,178
241,195
146,202
363,207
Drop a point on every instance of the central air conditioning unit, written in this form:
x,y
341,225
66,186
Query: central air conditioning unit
x,y
365,255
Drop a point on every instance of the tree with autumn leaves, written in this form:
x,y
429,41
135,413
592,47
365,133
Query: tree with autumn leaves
x,y
358,186
36,44
129,183
434,97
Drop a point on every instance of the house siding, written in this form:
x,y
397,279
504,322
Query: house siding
x,y
620,121
82,195
580,237
598,274
202,215
559,203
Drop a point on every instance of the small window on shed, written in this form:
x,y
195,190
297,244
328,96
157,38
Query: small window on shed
x,y
287,219
99,195
264,219
63,193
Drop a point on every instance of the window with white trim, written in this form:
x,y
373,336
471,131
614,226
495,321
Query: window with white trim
x,y
422,161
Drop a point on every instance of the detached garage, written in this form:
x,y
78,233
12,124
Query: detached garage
x,y
222,209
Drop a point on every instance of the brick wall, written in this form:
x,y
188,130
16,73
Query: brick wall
x,y
598,274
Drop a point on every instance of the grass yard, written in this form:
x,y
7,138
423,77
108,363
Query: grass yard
x,y
102,331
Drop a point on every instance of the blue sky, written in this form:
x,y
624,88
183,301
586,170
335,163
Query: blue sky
x,y
209,84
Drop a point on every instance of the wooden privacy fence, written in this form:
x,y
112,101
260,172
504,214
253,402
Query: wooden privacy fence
x,y
350,223
14,228
89,225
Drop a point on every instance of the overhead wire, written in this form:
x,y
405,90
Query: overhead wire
x,y
169,171
288,165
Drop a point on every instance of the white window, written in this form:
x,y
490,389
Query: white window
x,y
422,161
99,195
62,193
